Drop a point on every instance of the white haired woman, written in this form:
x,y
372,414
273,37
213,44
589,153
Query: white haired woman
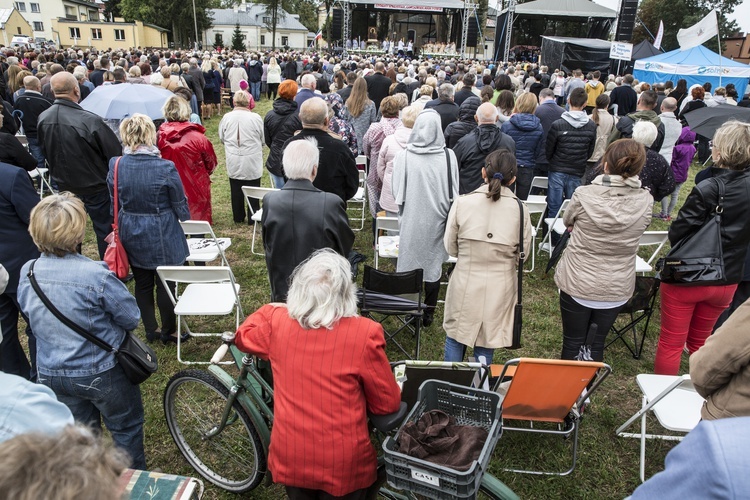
x,y
329,365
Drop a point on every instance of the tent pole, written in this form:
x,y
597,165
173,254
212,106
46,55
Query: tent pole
x,y
721,61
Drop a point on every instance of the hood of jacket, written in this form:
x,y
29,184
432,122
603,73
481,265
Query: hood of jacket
x,y
594,84
252,63
614,217
488,136
427,135
648,115
468,109
284,106
687,136
576,118
173,131
525,121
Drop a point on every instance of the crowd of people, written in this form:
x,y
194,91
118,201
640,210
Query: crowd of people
x,y
451,148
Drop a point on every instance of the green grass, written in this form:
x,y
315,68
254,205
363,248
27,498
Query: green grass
x,y
607,466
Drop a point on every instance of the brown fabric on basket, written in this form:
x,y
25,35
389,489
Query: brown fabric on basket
x,y
436,438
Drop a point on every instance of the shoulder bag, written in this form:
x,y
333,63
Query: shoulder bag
x,y
697,259
115,255
518,312
137,359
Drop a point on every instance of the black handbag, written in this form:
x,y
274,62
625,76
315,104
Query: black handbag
x,y
137,359
518,311
697,259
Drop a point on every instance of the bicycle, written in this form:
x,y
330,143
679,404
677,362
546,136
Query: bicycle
x,y
221,424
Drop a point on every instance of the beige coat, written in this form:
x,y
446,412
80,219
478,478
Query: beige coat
x,y
608,221
720,370
483,287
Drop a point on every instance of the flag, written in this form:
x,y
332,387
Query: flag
x,y
319,35
703,30
659,35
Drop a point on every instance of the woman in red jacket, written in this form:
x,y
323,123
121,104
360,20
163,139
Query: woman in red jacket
x,y
186,145
329,371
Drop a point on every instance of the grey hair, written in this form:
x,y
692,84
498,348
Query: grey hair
x,y
322,291
308,80
644,132
446,92
300,158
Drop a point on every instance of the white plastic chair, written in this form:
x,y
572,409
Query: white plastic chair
x,y
360,201
361,162
255,193
209,291
205,249
673,401
555,224
535,207
540,183
386,246
648,239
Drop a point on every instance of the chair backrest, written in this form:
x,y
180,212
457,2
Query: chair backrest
x,y
255,193
415,372
362,177
643,296
195,274
653,238
192,227
361,162
535,207
546,389
386,224
539,182
409,282
562,208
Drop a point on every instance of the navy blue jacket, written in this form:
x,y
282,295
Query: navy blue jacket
x,y
17,198
547,112
527,132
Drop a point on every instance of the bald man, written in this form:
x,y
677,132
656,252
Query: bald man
x,y
337,170
378,85
32,104
78,146
472,149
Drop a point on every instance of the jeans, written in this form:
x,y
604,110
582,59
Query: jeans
x,y
255,90
576,321
669,203
455,351
239,202
12,356
36,151
560,187
523,182
688,315
98,206
107,396
278,180
145,281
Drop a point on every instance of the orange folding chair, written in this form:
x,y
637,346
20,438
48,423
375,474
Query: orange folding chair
x,y
551,391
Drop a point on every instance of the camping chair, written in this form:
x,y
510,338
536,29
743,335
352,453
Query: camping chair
x,y
538,183
359,200
650,239
209,291
398,295
255,193
552,391
535,207
640,307
674,402
386,246
207,247
410,374
555,224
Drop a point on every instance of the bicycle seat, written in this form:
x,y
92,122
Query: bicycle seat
x,y
386,423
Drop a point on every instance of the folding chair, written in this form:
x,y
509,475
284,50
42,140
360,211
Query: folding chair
x,y
650,239
398,295
410,374
555,224
209,291
255,193
360,201
674,402
640,307
535,208
361,162
208,248
538,183
226,99
386,246
549,390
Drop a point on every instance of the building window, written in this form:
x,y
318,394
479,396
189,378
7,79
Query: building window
x,y
262,39
38,26
284,41
93,15
21,6
35,7
75,33
120,35
266,20
96,34
70,13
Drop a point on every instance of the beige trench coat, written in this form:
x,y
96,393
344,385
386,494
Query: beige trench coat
x,y
482,291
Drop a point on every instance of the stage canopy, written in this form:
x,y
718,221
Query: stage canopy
x,y
564,8
411,5
586,54
697,65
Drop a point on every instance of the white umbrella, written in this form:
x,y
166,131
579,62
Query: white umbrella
x,y
116,102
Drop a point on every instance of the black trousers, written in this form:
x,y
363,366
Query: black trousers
x,y
272,89
431,292
740,296
238,199
145,282
12,356
576,321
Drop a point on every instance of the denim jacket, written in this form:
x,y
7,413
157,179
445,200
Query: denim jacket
x,y
91,296
152,202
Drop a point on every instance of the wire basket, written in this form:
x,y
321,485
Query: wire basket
x,y
473,407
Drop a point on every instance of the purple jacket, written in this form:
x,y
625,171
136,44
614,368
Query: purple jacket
x,y
682,155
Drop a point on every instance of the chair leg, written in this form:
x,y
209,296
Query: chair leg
x,y
533,255
643,442
252,244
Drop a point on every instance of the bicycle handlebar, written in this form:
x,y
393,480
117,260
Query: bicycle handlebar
x,y
228,339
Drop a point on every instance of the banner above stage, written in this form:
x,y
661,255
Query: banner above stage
x,y
412,5
421,8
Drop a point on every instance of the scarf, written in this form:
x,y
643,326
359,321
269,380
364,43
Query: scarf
x,y
142,150
617,181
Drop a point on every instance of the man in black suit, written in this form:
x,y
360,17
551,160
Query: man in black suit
x,y
378,85
444,105
351,77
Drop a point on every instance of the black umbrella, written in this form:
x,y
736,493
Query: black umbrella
x,y
706,121
558,250
383,301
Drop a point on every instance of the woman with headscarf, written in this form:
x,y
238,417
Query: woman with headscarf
x,y
423,203
338,124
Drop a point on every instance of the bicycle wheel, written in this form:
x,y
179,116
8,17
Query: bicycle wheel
x,y
234,459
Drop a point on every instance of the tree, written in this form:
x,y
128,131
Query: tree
x,y
274,13
112,9
307,11
238,39
172,14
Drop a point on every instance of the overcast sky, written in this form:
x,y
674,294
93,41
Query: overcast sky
x,y
741,14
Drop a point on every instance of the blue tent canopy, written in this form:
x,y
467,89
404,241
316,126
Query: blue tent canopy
x,y
697,65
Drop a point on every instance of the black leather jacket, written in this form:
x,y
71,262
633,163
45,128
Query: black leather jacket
x,y
735,222
279,125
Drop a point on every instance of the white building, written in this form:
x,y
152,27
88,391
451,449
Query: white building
x,y
40,13
254,24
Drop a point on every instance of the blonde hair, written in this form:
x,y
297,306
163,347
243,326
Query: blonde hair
x,y
732,142
137,130
241,100
426,90
58,224
322,291
176,109
526,103
134,71
409,115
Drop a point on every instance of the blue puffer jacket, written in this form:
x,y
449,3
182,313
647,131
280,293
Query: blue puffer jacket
x,y
526,131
